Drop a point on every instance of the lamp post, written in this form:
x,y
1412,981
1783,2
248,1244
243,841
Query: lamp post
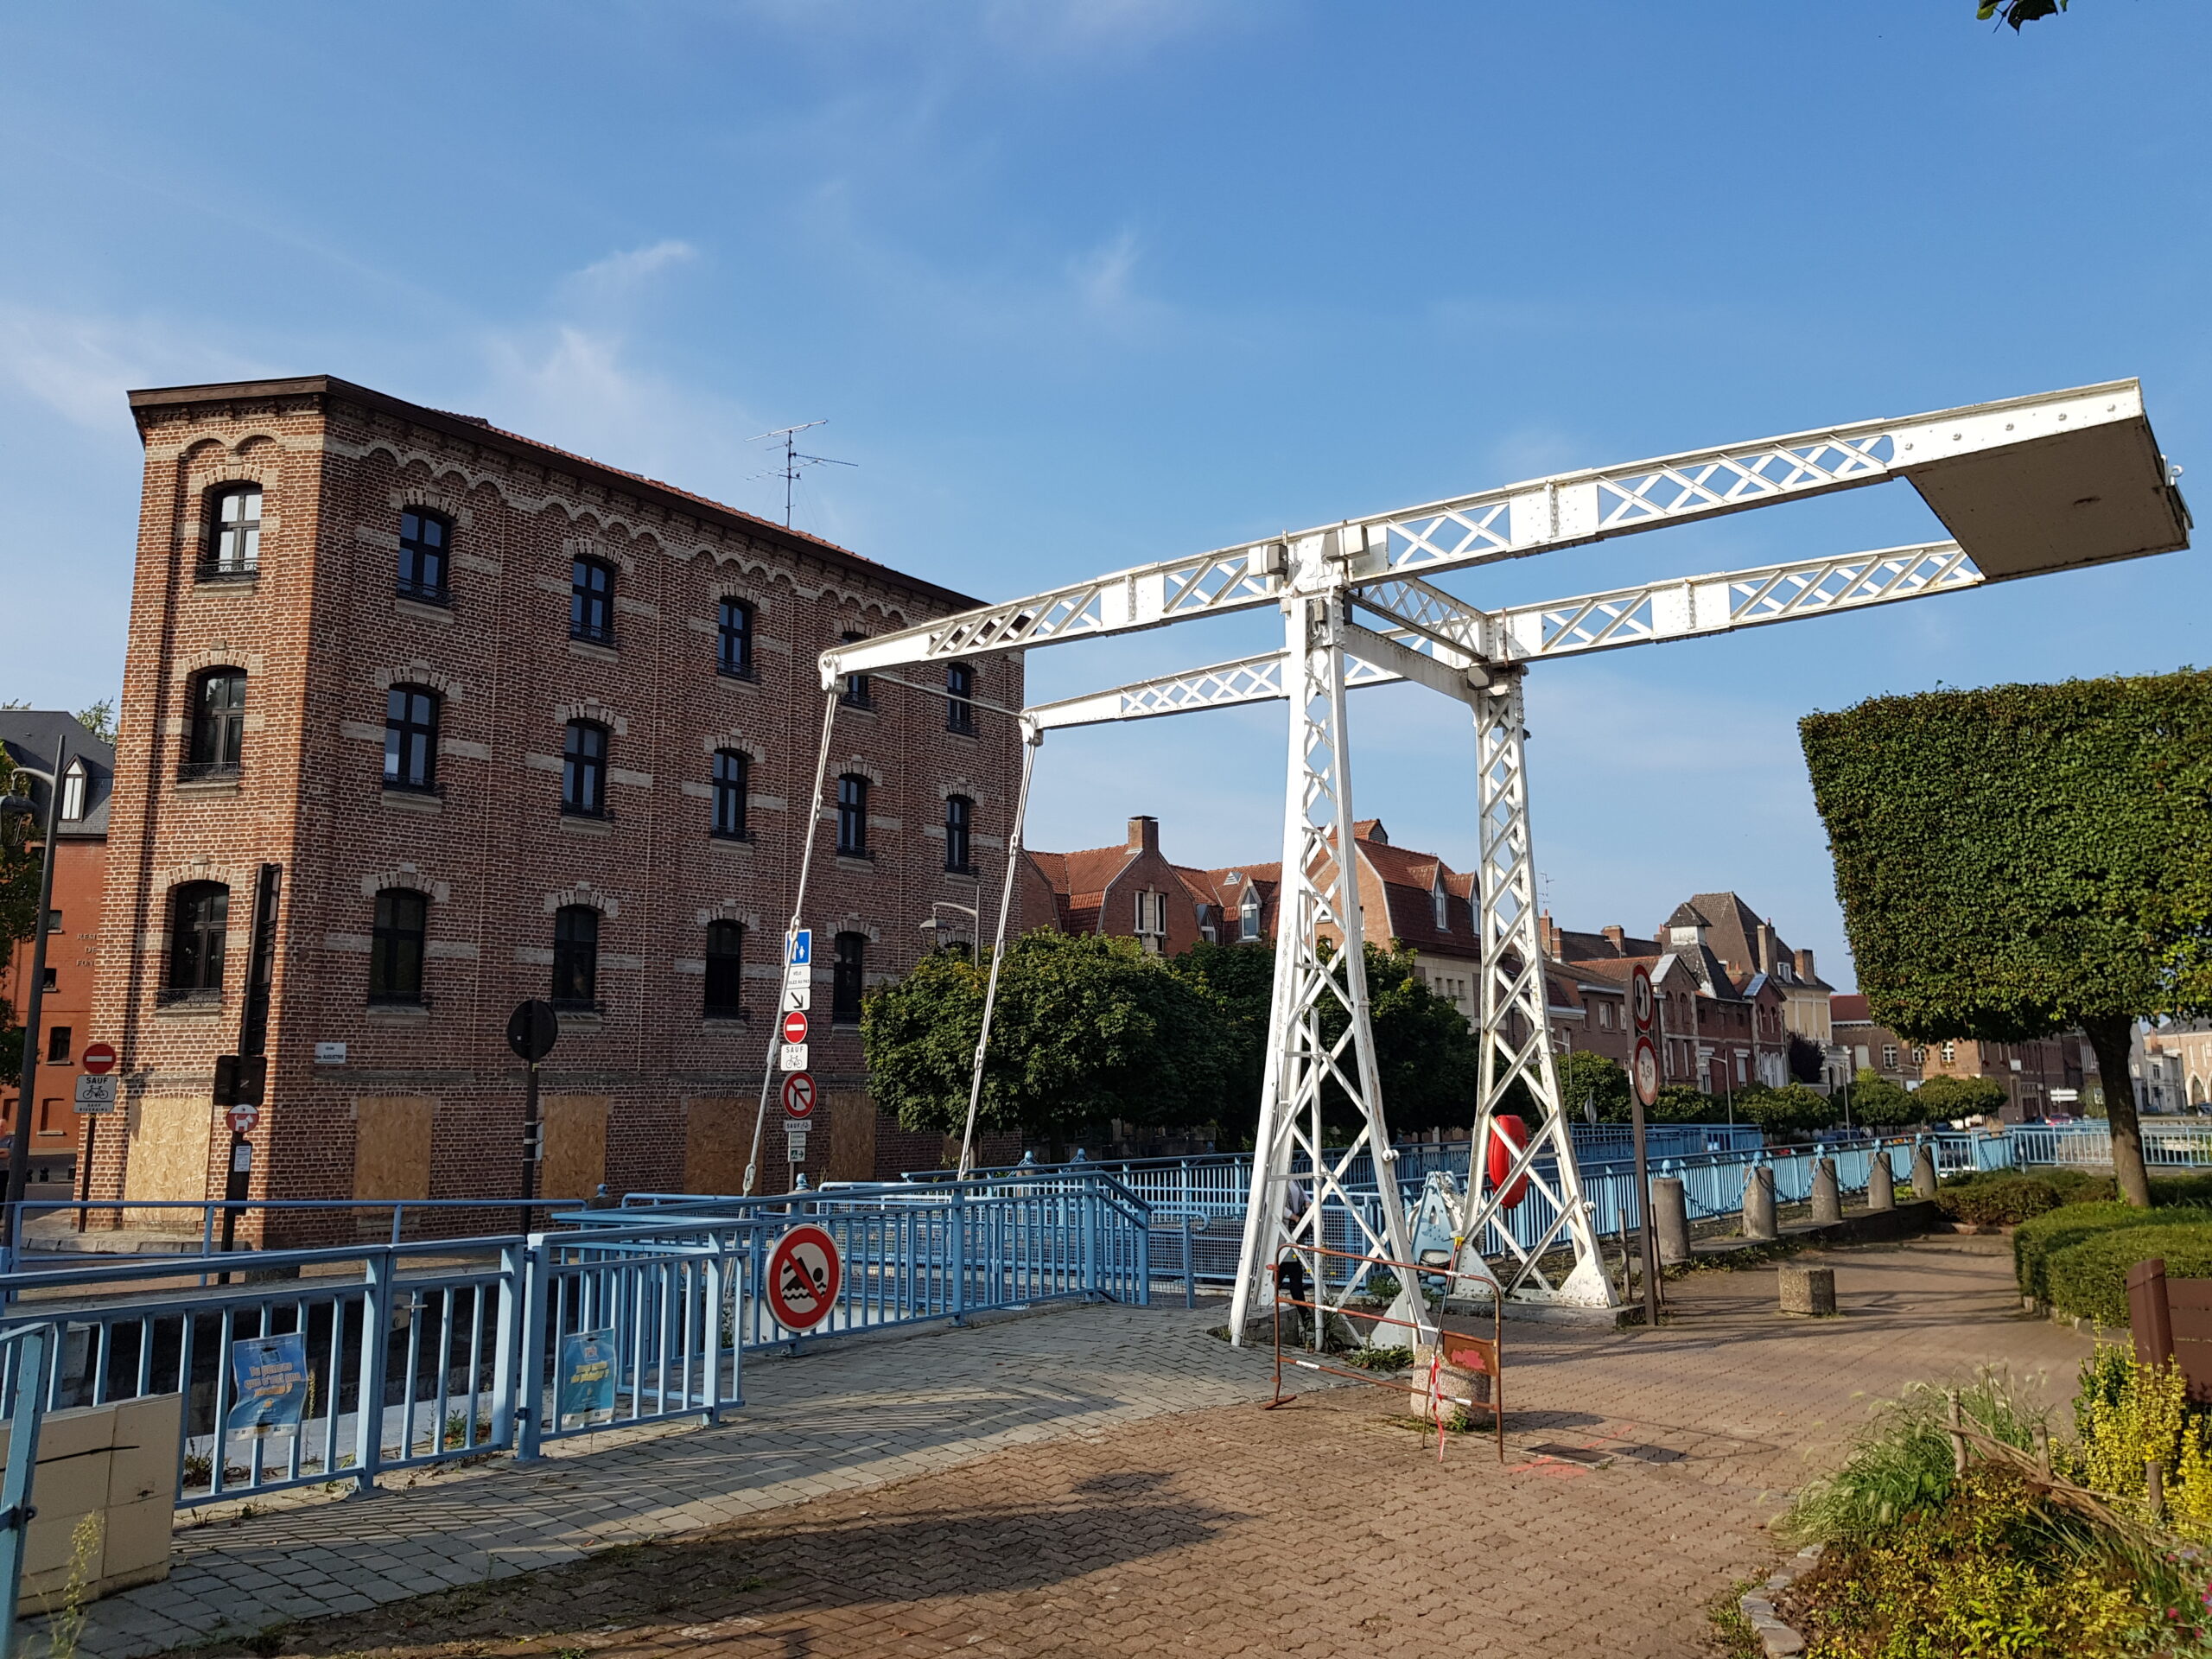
x,y
19,1139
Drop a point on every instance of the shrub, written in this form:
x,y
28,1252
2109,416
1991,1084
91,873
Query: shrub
x,y
2004,1199
2039,1239
2089,1279
2182,1189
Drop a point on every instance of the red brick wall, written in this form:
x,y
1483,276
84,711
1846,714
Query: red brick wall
x,y
77,869
324,637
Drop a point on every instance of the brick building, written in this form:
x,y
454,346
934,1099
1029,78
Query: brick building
x,y
500,722
35,738
2039,1077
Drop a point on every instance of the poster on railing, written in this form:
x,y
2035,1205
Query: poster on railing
x,y
270,1385
587,1378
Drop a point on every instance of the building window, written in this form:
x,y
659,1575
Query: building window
x,y
424,538
583,770
233,532
733,639
857,687
1889,1056
725,971
410,739
395,946
959,698
575,957
200,918
76,786
852,816
1247,915
1606,1015
846,973
57,1045
218,724
959,821
1440,905
591,601
1950,1053
731,766
1152,914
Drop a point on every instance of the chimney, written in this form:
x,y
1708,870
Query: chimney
x,y
1805,965
1144,834
1547,934
1764,949
1618,936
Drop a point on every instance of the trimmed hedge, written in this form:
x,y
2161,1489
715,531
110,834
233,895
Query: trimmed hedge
x,y
2036,1241
2006,1197
2089,1280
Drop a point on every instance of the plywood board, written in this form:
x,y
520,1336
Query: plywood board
x,y
717,1135
575,1146
852,1135
391,1145
168,1156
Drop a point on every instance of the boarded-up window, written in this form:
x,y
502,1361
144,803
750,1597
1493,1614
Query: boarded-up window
x,y
717,1135
575,1146
392,1147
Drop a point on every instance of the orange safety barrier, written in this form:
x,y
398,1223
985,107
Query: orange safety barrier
x,y
1466,1351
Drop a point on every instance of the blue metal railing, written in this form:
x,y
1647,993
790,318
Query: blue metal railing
x,y
28,1351
2186,1145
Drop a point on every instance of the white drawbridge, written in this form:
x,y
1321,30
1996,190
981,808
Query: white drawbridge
x,y
2026,485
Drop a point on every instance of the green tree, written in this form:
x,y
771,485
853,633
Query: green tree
x,y
2021,860
1239,981
2016,12
99,720
1087,1029
1679,1102
1586,1076
1794,1109
1878,1104
1944,1098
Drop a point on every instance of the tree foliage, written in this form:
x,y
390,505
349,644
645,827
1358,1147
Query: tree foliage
x,y
1087,1029
1585,1076
1878,1104
1238,980
1794,1109
2016,12
1942,1099
2018,860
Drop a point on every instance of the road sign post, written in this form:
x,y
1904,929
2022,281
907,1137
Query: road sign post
x,y
1644,1079
532,1030
99,1060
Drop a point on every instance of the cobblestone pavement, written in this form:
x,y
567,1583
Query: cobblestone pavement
x,y
1099,1481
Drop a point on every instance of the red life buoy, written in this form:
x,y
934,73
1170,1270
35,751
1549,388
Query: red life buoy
x,y
1508,1137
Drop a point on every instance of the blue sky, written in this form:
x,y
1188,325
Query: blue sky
x,y
1081,284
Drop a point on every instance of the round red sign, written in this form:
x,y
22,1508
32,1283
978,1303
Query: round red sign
x,y
1645,1072
243,1118
1644,1005
804,1272
98,1058
794,1026
798,1095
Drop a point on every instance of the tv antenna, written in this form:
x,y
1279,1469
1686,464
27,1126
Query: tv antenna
x,y
794,462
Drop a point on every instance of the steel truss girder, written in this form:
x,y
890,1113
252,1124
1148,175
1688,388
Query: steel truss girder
x,y
1514,1027
1319,902
1564,510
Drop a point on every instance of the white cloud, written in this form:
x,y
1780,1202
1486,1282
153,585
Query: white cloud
x,y
79,365
621,274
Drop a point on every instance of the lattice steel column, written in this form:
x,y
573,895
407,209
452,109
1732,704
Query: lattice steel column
x,y
1515,1031
1317,901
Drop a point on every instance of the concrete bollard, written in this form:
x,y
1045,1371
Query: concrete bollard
x,y
1670,1219
1453,1385
1881,1183
1923,1170
1758,1204
1807,1290
1828,1194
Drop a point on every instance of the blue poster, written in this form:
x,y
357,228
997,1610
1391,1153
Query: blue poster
x,y
269,1382
587,1376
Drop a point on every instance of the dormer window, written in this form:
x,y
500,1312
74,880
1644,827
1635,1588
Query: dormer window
x,y
1440,900
76,788
1247,915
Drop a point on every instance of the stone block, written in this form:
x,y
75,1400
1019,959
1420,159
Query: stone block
x,y
1807,1290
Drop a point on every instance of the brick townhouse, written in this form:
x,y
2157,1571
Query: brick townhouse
x,y
2039,1077
421,718
1135,891
35,738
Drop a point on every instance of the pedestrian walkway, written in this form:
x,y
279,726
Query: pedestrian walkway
x,y
1097,1481
838,1417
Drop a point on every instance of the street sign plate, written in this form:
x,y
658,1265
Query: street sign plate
x,y
243,1118
804,1274
1643,1002
532,1030
794,1026
798,1095
95,1094
1645,1071
98,1058
795,1142
802,948
792,1058
800,993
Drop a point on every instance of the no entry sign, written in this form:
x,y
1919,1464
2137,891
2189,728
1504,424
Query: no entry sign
x,y
804,1272
798,1095
794,1026
98,1058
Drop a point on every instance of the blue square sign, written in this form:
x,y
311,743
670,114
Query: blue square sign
x,y
802,947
